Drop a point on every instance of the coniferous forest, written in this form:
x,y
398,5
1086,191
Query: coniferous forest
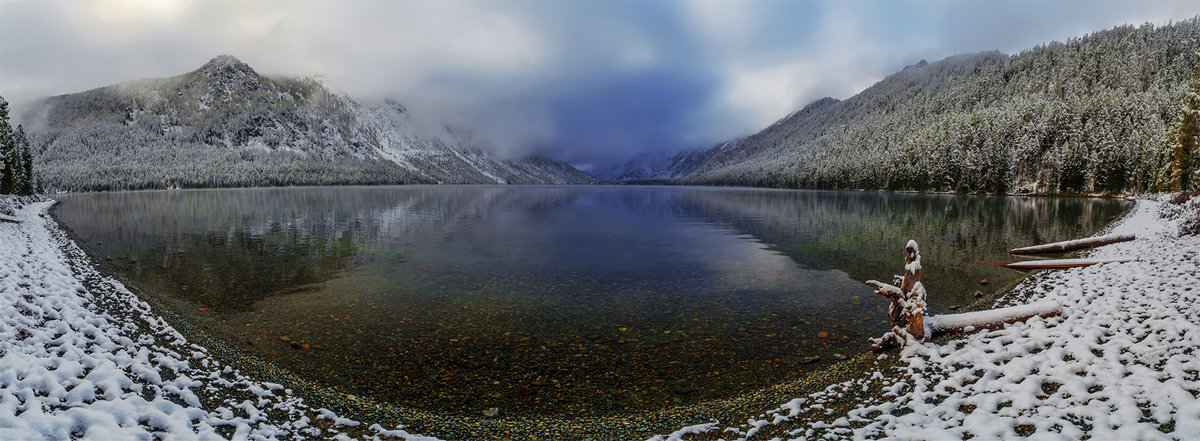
x,y
16,160
1111,112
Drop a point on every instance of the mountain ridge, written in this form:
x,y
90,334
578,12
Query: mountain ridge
x,y
224,124
1089,115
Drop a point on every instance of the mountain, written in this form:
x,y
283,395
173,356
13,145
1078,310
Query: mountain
x,y
1090,115
226,125
658,166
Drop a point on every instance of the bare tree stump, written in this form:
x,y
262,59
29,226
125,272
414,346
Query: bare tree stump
x,y
907,311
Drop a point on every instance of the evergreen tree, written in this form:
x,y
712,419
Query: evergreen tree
x,y
7,146
1111,172
1183,140
26,179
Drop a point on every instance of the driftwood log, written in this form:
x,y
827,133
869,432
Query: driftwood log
x,y
991,318
1072,245
1063,263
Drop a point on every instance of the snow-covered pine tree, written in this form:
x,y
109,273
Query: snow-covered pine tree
x,y
1183,138
25,178
6,148
1111,173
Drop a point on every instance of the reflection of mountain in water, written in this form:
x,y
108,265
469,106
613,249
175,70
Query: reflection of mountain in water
x,y
245,244
652,288
228,248
862,233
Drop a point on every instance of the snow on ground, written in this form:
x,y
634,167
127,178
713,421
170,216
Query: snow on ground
x,y
82,357
1120,364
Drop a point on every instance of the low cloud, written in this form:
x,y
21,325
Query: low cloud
x,y
587,82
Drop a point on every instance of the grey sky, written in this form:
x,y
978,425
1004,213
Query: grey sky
x,y
585,82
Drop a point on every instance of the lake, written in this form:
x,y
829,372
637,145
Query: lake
x,y
555,300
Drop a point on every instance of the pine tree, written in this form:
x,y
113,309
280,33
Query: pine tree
x,y
26,186
1183,139
7,146
1111,172
15,162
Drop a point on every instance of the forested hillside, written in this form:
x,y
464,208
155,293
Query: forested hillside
x,y
1091,115
225,125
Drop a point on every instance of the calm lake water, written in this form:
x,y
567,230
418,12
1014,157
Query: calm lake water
x,y
555,300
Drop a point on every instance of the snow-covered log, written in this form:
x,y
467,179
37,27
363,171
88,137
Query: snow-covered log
x,y
1072,245
4,218
992,318
1062,263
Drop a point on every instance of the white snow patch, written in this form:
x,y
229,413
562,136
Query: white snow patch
x,y
82,357
1122,361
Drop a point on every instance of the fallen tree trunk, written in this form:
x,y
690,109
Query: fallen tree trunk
x,y
14,220
1072,245
1062,263
990,319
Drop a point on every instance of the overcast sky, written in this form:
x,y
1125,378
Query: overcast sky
x,y
585,82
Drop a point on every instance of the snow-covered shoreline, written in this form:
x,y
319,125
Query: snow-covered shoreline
x,y
1120,364
82,357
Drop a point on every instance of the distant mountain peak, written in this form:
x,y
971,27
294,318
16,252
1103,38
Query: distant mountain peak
x,y
224,60
224,75
226,66
223,124
653,166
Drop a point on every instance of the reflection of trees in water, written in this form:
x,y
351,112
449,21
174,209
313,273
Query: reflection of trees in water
x,y
229,272
509,288
839,230
226,248
129,218
277,238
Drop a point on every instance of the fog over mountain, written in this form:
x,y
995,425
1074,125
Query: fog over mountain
x,y
225,125
594,84
652,167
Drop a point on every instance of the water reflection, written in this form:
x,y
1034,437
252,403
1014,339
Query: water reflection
x,y
556,300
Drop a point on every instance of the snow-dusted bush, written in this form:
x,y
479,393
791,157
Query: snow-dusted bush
x,y
1184,206
7,207
1190,223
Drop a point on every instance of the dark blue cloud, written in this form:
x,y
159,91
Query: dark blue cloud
x,y
589,82
627,113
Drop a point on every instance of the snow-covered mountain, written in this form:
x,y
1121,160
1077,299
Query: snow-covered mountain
x,y
226,125
1088,115
660,166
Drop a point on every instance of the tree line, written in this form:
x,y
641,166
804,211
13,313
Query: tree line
x,y
16,160
1111,112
